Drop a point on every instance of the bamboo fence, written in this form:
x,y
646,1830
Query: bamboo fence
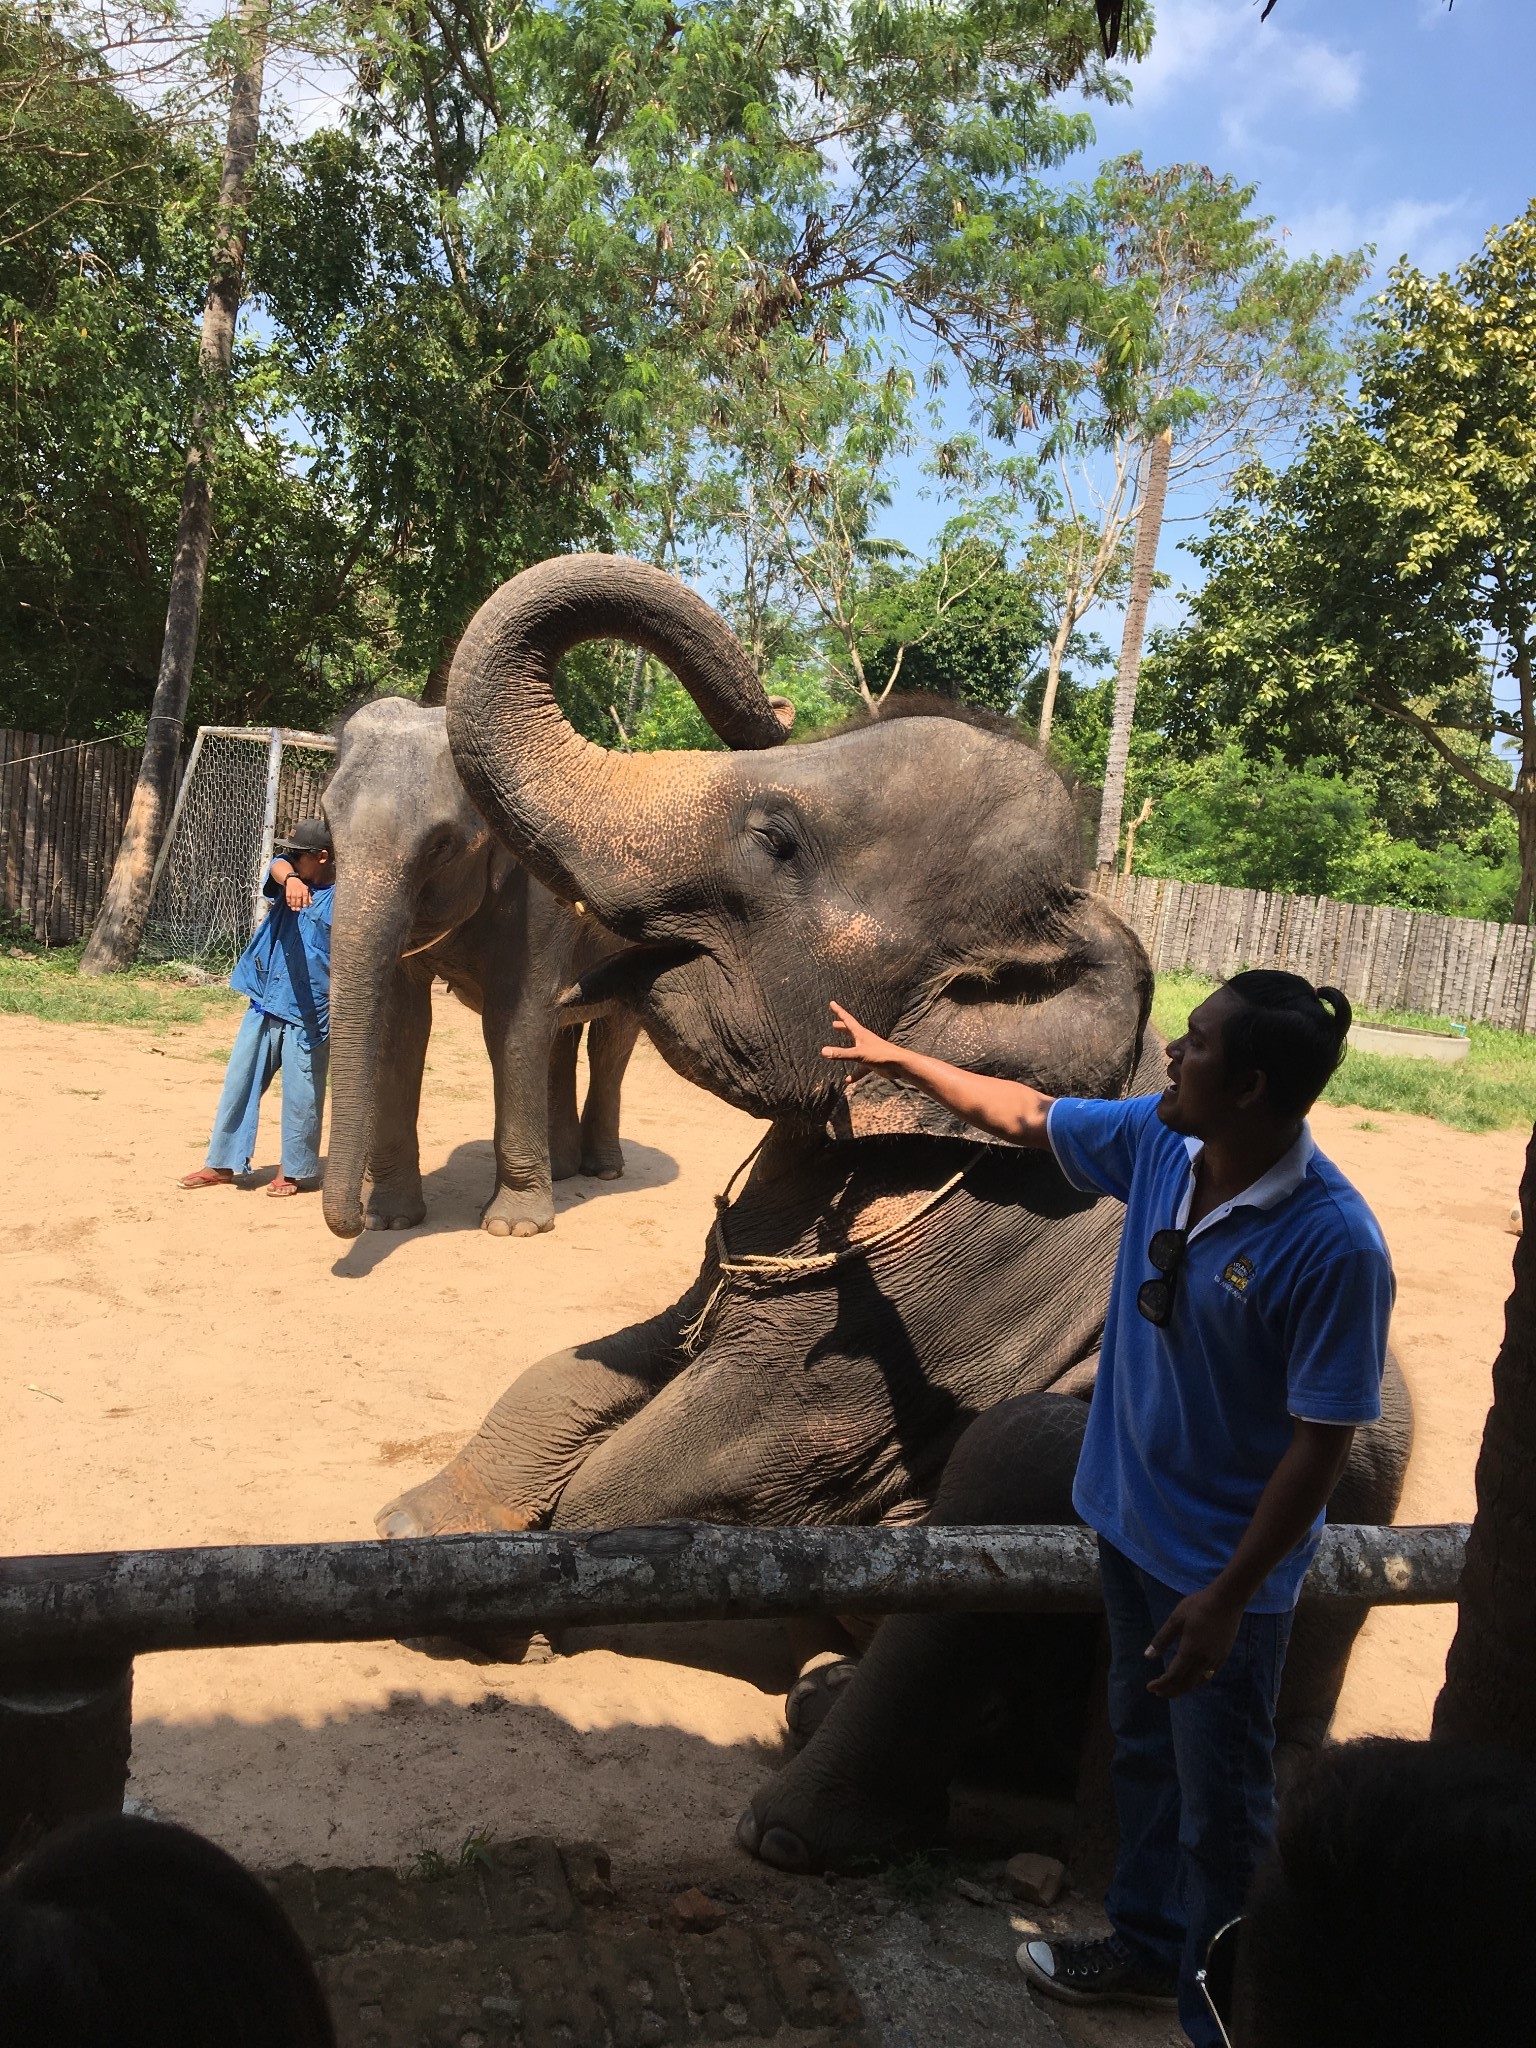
x,y
1383,958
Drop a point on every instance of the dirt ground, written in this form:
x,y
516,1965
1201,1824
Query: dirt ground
x,y
214,1367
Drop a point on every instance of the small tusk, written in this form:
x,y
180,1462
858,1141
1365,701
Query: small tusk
x,y
579,907
426,944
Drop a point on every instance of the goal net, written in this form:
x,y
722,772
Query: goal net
x,y
244,788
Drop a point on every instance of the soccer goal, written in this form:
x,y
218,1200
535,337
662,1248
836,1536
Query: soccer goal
x,y
244,788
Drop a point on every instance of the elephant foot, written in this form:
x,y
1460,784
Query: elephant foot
x,y
814,1694
455,1503
801,1822
602,1162
517,1212
394,1209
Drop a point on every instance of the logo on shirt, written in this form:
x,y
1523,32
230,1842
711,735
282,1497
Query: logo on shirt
x,y
1237,1273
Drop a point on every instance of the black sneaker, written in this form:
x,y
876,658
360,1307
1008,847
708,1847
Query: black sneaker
x,y
1101,1972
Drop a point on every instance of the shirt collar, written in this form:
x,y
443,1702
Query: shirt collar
x,y
1282,1179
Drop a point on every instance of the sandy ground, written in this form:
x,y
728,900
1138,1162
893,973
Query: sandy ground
x,y
213,1367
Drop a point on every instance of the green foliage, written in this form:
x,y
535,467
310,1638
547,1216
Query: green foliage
x,y
1241,336
964,626
1364,606
103,267
1260,824
1493,1089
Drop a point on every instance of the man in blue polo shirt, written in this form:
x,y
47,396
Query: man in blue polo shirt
x,y
286,972
1245,1341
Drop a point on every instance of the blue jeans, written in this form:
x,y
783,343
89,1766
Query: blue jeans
x,y
1194,1783
262,1046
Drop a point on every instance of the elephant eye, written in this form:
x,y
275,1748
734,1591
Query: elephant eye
x,y
777,837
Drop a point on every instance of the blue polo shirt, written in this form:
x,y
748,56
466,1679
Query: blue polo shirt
x,y
286,969
1280,1311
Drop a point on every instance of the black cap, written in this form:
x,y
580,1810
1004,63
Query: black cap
x,y
312,836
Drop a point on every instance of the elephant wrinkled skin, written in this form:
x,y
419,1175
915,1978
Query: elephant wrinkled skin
x,y
921,869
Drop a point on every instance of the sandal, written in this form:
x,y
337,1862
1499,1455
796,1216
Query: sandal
x,y
280,1188
207,1177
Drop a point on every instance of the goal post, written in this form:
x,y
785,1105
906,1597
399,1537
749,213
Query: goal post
x,y
243,789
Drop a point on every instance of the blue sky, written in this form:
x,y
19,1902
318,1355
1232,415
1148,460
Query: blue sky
x,y
1401,123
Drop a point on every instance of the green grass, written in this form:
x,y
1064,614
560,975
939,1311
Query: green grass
x,y
1492,1089
38,981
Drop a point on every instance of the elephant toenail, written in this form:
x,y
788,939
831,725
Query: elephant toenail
x,y
498,1227
783,1850
746,1831
398,1524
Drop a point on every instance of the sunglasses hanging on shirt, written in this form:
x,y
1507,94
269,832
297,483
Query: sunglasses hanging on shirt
x,y
1165,1254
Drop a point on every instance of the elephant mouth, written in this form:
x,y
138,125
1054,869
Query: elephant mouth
x,y
627,978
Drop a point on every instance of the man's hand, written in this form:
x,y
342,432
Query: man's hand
x,y
296,894
866,1051
1204,1625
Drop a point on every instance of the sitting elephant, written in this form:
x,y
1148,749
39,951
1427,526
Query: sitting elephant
x,y
883,1275
935,1692
422,891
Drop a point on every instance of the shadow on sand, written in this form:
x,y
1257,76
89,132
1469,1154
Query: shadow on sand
x,y
458,1190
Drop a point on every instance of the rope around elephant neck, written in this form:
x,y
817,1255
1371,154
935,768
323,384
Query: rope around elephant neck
x,y
779,1269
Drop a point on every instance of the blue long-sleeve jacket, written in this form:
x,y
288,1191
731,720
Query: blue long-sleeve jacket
x,y
286,969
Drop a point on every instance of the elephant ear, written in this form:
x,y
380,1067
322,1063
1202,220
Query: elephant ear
x,y
1064,1009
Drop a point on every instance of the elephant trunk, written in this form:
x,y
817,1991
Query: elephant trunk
x,y
613,830
370,927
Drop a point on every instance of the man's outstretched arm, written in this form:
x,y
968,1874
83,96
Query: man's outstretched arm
x,y
1007,1109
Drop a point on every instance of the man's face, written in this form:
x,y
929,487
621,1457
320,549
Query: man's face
x,y
313,869
1201,1095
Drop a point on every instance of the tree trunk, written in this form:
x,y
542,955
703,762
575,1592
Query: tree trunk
x,y
120,924
1149,528
1525,825
1490,1675
1053,670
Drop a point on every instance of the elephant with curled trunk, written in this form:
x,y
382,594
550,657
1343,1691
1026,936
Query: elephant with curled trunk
x,y
881,1277
424,890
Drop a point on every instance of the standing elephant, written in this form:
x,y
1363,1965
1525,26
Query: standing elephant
x,y
423,890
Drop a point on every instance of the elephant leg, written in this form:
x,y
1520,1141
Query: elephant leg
x,y
518,1037
515,1468
565,1131
395,1199
610,1041
874,1780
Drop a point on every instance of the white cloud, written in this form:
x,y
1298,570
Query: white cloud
x,y
1254,67
1435,234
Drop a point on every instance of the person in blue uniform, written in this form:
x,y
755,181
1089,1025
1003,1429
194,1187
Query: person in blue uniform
x,y
286,972
1245,1341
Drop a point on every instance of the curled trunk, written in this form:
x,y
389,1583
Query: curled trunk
x,y
614,830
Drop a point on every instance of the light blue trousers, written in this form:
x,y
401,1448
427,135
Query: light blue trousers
x,y
262,1046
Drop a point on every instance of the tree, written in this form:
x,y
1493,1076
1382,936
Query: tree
x,y
119,925
1239,349
540,241
1080,546
109,204
1387,579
